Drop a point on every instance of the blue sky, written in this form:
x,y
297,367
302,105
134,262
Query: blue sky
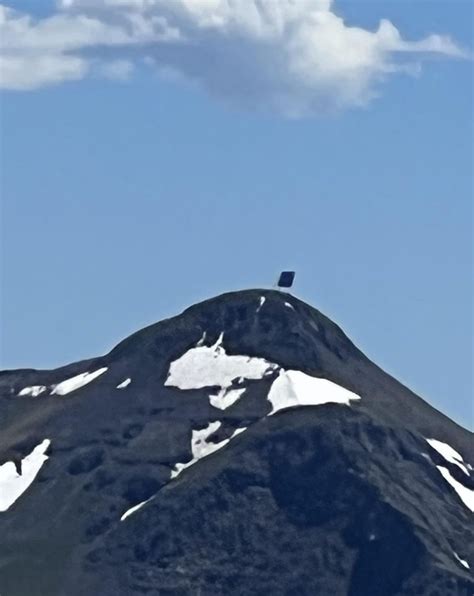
x,y
124,201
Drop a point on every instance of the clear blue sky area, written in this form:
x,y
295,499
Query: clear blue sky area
x,y
125,202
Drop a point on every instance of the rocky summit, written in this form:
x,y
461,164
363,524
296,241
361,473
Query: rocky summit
x,y
245,447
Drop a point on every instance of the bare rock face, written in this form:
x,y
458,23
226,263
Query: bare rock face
x,y
245,447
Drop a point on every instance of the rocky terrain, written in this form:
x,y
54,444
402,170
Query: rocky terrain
x,y
245,447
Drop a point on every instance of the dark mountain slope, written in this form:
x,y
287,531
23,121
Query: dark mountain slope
x,y
302,504
337,498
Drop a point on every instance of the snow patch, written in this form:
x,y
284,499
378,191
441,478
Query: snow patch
x,y
449,454
12,484
462,561
219,341
261,303
204,366
295,388
225,398
76,382
202,340
33,391
465,494
201,448
237,431
124,384
288,305
135,508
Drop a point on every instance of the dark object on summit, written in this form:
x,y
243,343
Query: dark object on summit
x,y
286,279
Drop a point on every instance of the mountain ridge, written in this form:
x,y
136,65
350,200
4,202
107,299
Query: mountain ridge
x,y
141,339
194,400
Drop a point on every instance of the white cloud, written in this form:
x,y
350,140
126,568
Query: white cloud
x,y
51,50
294,56
30,72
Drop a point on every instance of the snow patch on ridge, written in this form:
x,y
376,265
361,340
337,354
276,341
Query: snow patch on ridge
x,y
201,448
449,454
33,391
237,431
225,398
135,508
462,561
261,303
295,388
76,382
204,366
12,484
465,494
202,340
124,384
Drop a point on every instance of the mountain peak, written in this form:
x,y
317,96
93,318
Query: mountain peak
x,y
250,393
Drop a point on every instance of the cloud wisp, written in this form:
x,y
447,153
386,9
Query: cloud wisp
x,y
296,57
